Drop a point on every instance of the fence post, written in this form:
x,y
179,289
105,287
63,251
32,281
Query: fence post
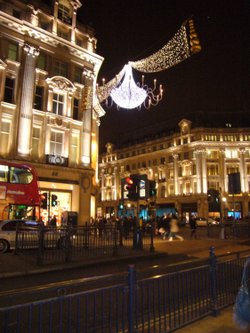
x,y
40,245
131,297
152,248
68,247
115,252
213,277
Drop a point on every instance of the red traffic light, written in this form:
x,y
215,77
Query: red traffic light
x,y
129,181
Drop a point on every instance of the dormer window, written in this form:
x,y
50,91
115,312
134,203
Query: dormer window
x,y
64,13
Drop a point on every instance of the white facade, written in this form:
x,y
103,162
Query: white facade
x,y
185,165
49,116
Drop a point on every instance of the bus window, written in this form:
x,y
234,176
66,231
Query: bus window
x,y
20,175
3,173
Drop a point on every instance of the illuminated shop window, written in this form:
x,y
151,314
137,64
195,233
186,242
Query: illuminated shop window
x,y
58,101
56,143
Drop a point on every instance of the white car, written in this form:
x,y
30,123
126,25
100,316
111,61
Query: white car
x,y
29,235
202,221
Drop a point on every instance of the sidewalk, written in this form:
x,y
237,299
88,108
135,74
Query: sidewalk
x,y
20,265
223,323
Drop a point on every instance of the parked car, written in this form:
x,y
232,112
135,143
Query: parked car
x,y
30,235
202,221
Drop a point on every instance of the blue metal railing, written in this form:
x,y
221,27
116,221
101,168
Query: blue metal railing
x,y
162,303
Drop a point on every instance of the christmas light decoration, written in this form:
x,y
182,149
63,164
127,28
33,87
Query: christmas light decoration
x,y
130,95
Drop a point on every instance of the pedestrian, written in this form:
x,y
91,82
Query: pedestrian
x,y
241,311
193,227
174,228
53,221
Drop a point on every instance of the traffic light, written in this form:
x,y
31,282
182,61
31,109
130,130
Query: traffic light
x,y
132,187
54,200
44,200
152,188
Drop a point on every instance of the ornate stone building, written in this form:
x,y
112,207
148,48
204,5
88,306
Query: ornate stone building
x,y
190,168
49,115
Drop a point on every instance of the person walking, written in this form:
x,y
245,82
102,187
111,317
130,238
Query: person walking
x,y
193,227
241,310
174,228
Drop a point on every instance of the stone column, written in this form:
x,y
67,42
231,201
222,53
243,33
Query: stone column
x,y
198,170
26,102
176,183
87,124
73,33
204,171
244,185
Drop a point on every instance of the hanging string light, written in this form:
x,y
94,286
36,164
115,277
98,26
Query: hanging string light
x,y
128,94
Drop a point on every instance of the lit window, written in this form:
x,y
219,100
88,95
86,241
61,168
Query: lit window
x,y
63,34
56,143
5,135
74,149
58,104
35,141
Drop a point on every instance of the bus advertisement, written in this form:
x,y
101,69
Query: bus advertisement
x,y
19,193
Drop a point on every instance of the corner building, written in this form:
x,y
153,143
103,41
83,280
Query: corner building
x,y
49,116
187,165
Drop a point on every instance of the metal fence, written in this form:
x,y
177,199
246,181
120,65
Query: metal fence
x,y
158,304
67,244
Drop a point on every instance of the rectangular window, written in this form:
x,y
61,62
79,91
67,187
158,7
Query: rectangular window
x,y
74,149
76,109
38,98
16,13
78,75
41,61
36,141
45,25
12,51
5,135
9,90
64,14
58,104
56,143
61,68
63,34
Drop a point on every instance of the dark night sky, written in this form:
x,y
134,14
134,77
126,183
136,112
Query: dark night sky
x,y
214,81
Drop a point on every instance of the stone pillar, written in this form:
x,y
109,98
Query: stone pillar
x,y
73,33
176,183
243,178
204,171
87,124
26,101
198,170
54,27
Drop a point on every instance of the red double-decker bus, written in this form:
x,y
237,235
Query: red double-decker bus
x,y
19,194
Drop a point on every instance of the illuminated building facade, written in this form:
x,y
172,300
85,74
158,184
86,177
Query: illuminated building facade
x,y
49,116
186,165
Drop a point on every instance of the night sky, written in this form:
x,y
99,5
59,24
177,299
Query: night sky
x,y
211,83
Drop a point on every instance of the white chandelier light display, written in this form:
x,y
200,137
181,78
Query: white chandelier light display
x,y
129,95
